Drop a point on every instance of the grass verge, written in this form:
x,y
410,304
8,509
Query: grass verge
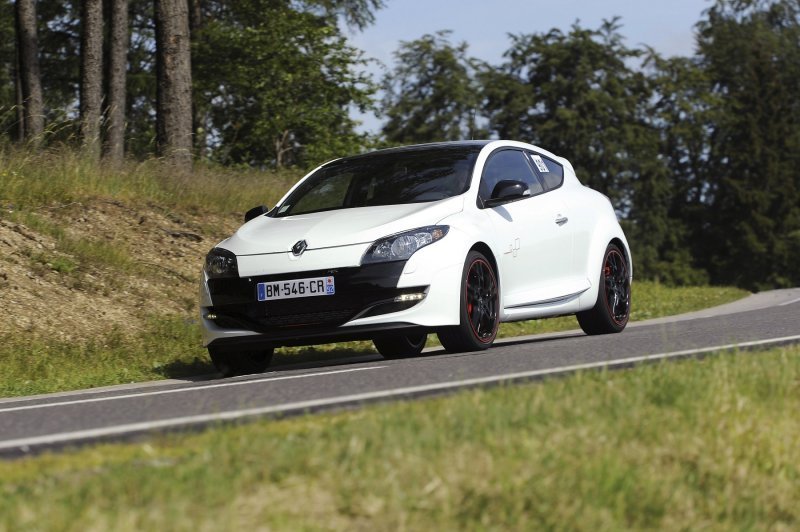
x,y
31,180
648,300
697,444
170,346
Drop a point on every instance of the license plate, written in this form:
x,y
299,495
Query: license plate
x,y
313,286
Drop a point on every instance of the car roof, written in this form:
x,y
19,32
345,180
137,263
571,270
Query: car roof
x,y
419,147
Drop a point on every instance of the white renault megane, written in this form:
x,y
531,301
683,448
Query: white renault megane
x,y
451,238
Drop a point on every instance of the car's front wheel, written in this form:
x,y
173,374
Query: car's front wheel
x,y
232,362
400,345
613,305
479,308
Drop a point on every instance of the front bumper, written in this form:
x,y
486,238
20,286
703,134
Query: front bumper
x,y
360,292
364,306
233,315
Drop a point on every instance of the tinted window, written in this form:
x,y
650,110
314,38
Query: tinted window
x,y
385,178
550,171
507,165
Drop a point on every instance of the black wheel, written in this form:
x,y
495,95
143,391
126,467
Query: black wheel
x,y
231,362
480,312
613,306
400,345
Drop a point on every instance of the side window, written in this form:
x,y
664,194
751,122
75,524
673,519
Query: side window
x,y
550,171
507,165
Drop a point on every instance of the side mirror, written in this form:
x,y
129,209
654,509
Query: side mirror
x,y
255,212
505,191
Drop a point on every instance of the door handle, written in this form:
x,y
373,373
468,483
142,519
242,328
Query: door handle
x,y
561,220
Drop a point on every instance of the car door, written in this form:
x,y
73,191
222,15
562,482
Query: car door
x,y
533,246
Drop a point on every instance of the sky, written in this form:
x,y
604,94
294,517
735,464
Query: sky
x,y
666,25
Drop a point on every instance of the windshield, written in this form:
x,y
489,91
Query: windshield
x,y
389,177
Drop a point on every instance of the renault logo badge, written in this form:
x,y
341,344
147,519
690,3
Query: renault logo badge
x,y
299,248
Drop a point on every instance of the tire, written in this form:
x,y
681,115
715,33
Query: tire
x,y
400,345
479,308
613,306
232,362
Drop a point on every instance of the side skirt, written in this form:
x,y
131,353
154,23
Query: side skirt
x,y
568,304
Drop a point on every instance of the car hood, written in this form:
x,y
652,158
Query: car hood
x,y
341,227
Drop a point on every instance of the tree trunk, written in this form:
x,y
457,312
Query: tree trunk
x,y
174,92
31,80
19,106
91,75
199,108
117,70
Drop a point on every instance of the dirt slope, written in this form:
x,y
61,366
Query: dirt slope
x,y
77,271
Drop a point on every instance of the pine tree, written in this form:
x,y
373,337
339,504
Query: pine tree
x,y
29,74
117,76
91,75
174,74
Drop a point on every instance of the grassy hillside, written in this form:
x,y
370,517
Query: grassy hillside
x,y
706,444
99,268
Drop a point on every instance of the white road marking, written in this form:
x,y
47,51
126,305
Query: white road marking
x,y
793,301
183,390
66,437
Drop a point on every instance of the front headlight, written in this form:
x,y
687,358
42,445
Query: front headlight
x,y
402,245
221,263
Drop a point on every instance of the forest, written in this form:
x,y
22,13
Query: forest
x,y
700,155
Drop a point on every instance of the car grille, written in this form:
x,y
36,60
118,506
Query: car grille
x,y
315,319
364,291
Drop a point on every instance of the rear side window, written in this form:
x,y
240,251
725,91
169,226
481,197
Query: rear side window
x,y
551,172
507,165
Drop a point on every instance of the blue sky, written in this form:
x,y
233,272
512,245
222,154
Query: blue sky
x,y
667,26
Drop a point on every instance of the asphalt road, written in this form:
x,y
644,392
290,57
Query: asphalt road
x,y
32,424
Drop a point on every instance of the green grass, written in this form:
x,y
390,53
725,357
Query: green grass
x,y
708,444
31,180
170,347
648,300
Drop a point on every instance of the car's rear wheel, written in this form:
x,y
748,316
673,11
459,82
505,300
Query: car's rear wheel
x,y
479,308
400,345
613,305
231,362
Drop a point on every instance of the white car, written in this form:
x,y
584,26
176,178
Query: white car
x,y
392,245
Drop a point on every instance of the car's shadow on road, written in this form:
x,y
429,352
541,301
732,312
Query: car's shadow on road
x,y
199,371
313,358
337,357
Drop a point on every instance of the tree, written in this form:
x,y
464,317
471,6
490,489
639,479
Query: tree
x,y
683,107
304,120
751,233
29,73
10,114
117,70
199,107
60,28
431,95
276,83
577,95
91,75
174,75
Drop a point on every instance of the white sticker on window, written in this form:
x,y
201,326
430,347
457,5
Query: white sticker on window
x,y
537,160
284,209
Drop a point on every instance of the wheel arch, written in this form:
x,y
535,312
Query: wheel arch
x,y
627,252
486,251
603,236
